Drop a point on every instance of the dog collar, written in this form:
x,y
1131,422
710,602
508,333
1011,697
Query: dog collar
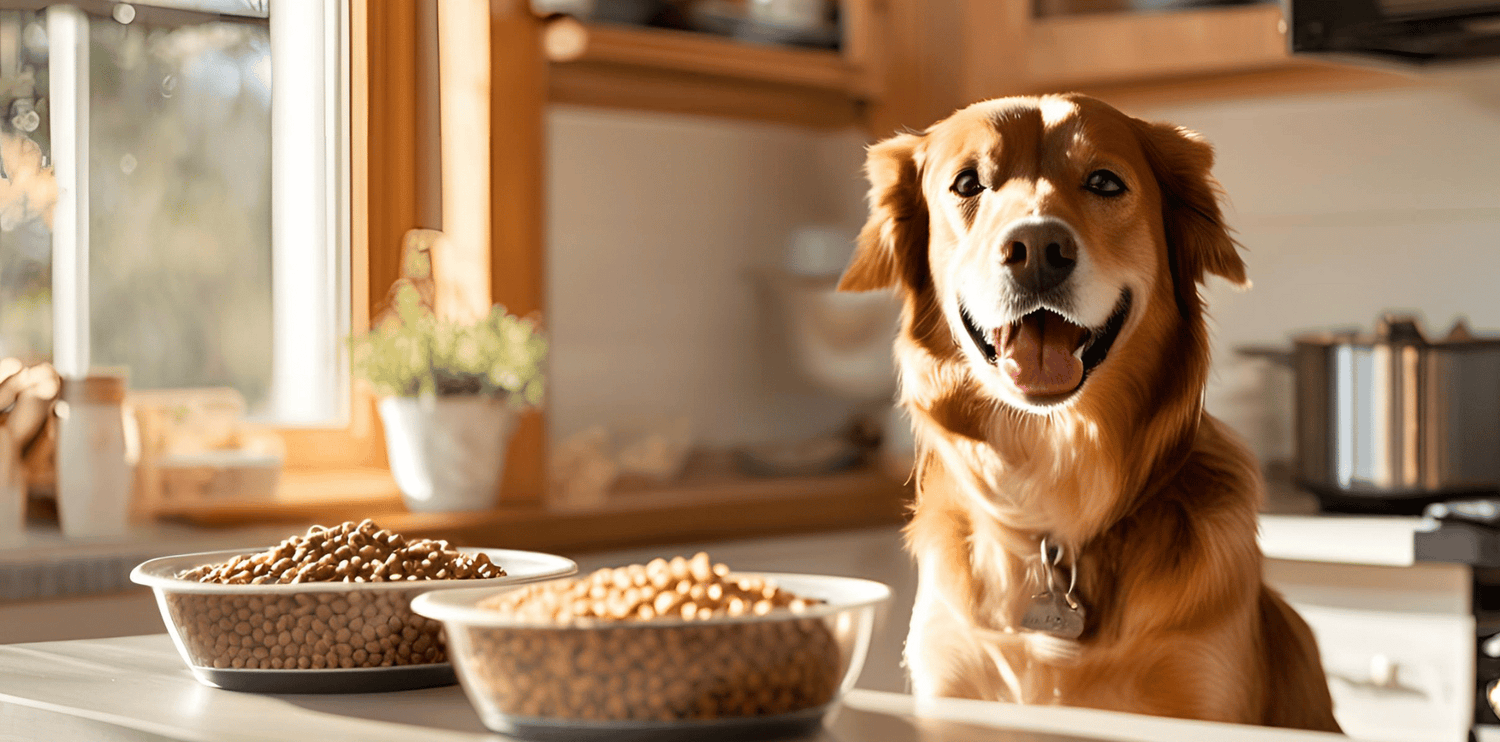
x,y
1055,612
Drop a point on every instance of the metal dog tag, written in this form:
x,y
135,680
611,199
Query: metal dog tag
x,y
1052,613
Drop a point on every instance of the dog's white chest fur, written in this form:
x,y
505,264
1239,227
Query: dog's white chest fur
x,y
951,645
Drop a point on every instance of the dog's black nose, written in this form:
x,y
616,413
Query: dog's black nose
x,y
1040,255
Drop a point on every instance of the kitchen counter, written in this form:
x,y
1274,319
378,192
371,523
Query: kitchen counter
x,y
1419,615
44,564
136,688
50,588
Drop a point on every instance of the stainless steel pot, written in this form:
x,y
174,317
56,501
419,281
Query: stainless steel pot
x,y
1395,416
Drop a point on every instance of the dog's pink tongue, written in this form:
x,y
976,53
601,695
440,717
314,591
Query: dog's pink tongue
x,y
1038,354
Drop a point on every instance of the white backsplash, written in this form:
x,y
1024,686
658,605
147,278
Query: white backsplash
x,y
1347,205
656,225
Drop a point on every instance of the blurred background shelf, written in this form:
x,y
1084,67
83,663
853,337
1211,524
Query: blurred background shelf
x,y
303,496
709,501
905,63
698,508
619,66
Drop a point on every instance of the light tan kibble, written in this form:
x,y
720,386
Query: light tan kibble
x,y
701,568
660,664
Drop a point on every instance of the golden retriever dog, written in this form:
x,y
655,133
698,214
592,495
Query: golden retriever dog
x,y
1085,534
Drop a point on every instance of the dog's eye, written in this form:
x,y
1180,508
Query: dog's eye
x,y
1104,183
967,184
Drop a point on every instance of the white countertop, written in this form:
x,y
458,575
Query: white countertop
x,y
136,688
1386,540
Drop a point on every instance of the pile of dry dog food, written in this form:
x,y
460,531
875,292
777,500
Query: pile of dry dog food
x,y
318,629
687,588
626,644
351,552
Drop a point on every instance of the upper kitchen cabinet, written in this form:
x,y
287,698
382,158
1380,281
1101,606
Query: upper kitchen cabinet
x,y
1141,52
805,62
888,64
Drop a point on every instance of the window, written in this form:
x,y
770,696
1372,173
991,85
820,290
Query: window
x,y
173,196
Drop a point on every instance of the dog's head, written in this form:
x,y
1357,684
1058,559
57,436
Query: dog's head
x,y
1038,240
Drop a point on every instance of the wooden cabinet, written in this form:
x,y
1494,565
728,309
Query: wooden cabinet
x,y
1397,643
944,54
685,72
906,63
1137,59
620,66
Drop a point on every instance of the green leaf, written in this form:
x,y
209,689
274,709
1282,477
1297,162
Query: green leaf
x,y
500,354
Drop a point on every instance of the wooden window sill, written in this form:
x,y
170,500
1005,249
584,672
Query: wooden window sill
x,y
701,507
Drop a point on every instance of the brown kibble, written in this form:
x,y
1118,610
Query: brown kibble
x,y
350,553
311,630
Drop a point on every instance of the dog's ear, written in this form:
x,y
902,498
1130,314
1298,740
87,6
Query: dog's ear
x,y
893,243
1197,239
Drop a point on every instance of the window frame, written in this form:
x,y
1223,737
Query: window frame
x,y
389,178
383,138
309,193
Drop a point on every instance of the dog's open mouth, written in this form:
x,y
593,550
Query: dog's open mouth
x,y
1045,355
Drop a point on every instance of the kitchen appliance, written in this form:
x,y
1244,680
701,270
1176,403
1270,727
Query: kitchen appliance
x,y
1390,421
1405,32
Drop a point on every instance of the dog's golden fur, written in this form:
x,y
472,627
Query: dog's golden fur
x,y
1156,498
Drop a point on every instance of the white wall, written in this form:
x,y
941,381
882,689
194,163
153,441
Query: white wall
x,y
1348,205
655,226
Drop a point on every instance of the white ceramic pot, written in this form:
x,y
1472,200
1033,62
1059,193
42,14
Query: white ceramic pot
x,y
447,453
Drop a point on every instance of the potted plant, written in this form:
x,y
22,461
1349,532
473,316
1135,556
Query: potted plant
x,y
450,393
